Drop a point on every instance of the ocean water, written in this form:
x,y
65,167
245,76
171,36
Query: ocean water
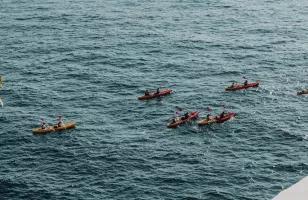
x,y
90,60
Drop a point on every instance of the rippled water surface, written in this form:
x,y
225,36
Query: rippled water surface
x,y
90,60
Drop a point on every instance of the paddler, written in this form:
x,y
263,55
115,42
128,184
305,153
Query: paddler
x,y
157,91
208,117
246,82
146,93
186,116
222,115
233,84
43,124
60,121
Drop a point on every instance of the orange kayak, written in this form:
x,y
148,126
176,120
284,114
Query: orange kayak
x,y
242,86
49,129
192,116
153,95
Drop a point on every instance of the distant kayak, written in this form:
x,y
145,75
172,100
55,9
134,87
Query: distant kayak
x,y
69,125
191,116
217,119
242,86
303,92
153,95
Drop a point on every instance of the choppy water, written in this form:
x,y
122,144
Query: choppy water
x,y
89,60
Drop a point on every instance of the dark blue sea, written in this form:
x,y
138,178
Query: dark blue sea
x,y
90,60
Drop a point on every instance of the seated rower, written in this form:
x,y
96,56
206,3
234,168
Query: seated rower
x,y
146,93
186,116
157,91
43,124
233,85
60,121
246,82
208,117
222,115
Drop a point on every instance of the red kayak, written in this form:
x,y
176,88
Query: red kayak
x,y
242,86
217,119
192,116
153,95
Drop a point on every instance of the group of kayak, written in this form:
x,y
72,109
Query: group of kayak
x,y
175,122
59,126
223,117
159,93
190,116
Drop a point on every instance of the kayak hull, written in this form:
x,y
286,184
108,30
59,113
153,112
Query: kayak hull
x,y
192,116
154,95
243,87
50,129
217,119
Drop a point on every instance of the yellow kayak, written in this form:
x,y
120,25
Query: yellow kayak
x,y
205,122
55,128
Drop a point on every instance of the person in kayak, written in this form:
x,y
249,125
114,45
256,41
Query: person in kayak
x,y
157,91
222,115
208,117
246,82
60,121
146,93
43,124
233,85
186,116
177,115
